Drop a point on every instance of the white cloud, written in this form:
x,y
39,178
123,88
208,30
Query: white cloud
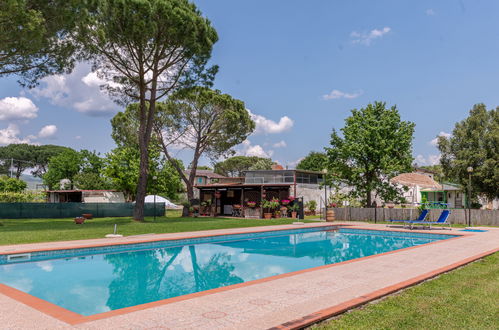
x,y
430,160
47,131
280,144
17,108
268,126
11,135
258,151
92,80
434,142
78,137
53,88
336,94
365,38
430,12
248,149
295,163
79,90
45,266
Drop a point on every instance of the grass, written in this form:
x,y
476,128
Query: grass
x,y
18,231
466,298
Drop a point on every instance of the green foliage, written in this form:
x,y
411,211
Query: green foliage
x,y
339,198
235,166
122,168
376,146
205,121
474,142
11,185
26,156
272,204
311,205
35,38
211,122
423,205
147,49
314,161
439,175
21,197
65,165
20,156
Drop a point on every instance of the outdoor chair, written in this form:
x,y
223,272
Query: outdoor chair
x,y
442,220
422,217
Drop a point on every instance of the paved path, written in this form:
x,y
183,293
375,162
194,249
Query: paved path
x,y
284,301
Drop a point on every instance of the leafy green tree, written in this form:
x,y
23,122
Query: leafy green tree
x,y
65,165
145,50
474,142
235,166
376,146
36,37
122,168
18,156
11,185
42,155
314,161
90,175
204,121
26,156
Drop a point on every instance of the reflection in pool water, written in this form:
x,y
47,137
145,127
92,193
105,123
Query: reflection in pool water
x,y
98,283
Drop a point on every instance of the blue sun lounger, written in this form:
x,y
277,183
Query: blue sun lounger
x,y
442,220
422,217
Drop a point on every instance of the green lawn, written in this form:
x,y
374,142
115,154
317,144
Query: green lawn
x,y
467,298
19,231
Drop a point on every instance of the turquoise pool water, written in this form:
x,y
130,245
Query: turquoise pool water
x,y
91,281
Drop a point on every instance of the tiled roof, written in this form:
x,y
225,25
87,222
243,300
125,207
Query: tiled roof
x,y
416,179
206,173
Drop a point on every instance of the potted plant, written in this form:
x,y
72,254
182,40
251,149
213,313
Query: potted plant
x,y
312,205
294,209
271,206
285,202
79,220
251,204
191,211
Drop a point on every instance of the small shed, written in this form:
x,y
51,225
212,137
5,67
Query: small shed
x,y
85,196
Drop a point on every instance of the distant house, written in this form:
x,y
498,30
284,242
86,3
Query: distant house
x,y
230,196
204,177
85,196
420,183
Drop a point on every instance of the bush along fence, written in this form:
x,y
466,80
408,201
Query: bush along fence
x,y
69,210
457,216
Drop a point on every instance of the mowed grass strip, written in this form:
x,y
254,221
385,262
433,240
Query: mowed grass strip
x,y
466,298
18,231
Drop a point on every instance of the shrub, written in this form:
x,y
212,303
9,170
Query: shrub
x,y
11,184
21,197
311,205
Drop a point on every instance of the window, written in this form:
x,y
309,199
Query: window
x,y
200,180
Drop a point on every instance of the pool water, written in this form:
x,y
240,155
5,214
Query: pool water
x,y
474,230
100,282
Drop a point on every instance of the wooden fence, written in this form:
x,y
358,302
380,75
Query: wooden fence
x,y
460,216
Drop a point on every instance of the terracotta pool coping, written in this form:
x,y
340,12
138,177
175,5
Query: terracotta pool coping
x,y
73,318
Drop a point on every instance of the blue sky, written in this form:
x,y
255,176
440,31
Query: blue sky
x,y
300,67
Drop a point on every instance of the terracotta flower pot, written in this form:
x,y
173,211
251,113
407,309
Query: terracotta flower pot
x,y
293,215
267,216
79,220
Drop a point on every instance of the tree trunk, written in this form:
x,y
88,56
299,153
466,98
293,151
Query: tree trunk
x,y
369,199
138,212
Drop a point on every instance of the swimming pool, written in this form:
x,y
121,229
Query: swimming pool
x,y
96,280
